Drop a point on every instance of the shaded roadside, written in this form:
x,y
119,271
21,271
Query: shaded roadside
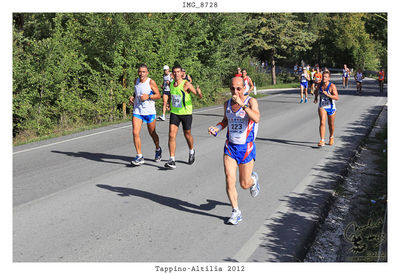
x,y
355,229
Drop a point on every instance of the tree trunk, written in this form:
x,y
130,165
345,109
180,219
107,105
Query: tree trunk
x,y
273,74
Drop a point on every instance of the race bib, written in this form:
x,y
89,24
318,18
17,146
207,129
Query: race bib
x,y
236,127
176,101
325,102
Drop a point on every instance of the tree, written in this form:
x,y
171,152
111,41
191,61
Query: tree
x,y
273,36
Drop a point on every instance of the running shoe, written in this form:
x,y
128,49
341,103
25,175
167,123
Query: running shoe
x,y
191,158
170,164
157,158
137,161
321,143
162,118
301,101
331,141
305,101
255,189
236,217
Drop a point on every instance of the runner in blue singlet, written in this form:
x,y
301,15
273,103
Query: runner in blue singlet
x,y
328,94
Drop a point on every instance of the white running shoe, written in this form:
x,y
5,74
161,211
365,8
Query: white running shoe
x,y
137,161
236,217
255,189
161,118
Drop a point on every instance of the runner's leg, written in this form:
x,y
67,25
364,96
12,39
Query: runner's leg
x,y
151,127
331,124
245,170
322,119
230,166
173,130
136,126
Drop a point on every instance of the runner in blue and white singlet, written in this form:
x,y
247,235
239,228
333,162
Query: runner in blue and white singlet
x,y
328,95
325,102
241,117
241,129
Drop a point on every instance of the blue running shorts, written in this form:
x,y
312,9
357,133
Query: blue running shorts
x,y
242,153
304,84
146,118
330,111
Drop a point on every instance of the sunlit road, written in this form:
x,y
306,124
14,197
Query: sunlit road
x,y
77,198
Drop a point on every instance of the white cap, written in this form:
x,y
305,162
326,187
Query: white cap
x,y
166,67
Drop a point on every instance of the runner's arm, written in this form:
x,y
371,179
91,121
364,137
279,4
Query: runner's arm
x,y
334,93
251,85
252,111
189,88
214,130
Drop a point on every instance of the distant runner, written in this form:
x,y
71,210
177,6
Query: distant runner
x,y
241,116
247,82
359,76
304,78
187,77
144,110
312,80
167,78
327,94
181,111
381,79
317,78
345,76
238,72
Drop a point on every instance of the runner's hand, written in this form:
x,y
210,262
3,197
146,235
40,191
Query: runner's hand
x,y
237,99
131,99
213,131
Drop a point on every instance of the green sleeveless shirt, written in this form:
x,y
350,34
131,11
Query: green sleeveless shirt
x,y
181,101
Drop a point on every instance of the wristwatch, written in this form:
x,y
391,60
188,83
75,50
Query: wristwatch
x,y
245,106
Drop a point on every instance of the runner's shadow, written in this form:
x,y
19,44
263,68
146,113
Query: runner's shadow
x,y
106,158
289,142
168,201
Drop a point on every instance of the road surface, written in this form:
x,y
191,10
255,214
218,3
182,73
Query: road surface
x,y
76,198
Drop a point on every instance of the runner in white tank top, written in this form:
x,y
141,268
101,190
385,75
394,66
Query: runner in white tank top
x,y
146,91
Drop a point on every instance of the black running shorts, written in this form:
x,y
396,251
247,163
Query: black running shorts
x,y
185,119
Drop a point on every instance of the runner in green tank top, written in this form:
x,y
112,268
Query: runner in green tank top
x,y
181,111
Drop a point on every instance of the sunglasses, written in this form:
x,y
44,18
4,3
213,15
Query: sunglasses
x,y
236,88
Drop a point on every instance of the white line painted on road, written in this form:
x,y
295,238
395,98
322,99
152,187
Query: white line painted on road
x,y
71,139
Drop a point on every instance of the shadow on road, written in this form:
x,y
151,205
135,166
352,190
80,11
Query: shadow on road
x,y
288,142
290,233
168,201
107,158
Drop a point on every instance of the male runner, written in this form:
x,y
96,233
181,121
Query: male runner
x,y
304,78
238,72
381,78
181,111
317,78
311,82
241,116
185,76
146,92
345,76
328,94
166,92
359,76
247,82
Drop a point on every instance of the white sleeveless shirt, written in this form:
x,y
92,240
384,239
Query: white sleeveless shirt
x,y
146,107
241,129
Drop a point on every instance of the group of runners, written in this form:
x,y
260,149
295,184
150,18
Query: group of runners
x,y
241,118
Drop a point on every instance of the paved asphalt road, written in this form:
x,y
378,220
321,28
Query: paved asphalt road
x,y
76,198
